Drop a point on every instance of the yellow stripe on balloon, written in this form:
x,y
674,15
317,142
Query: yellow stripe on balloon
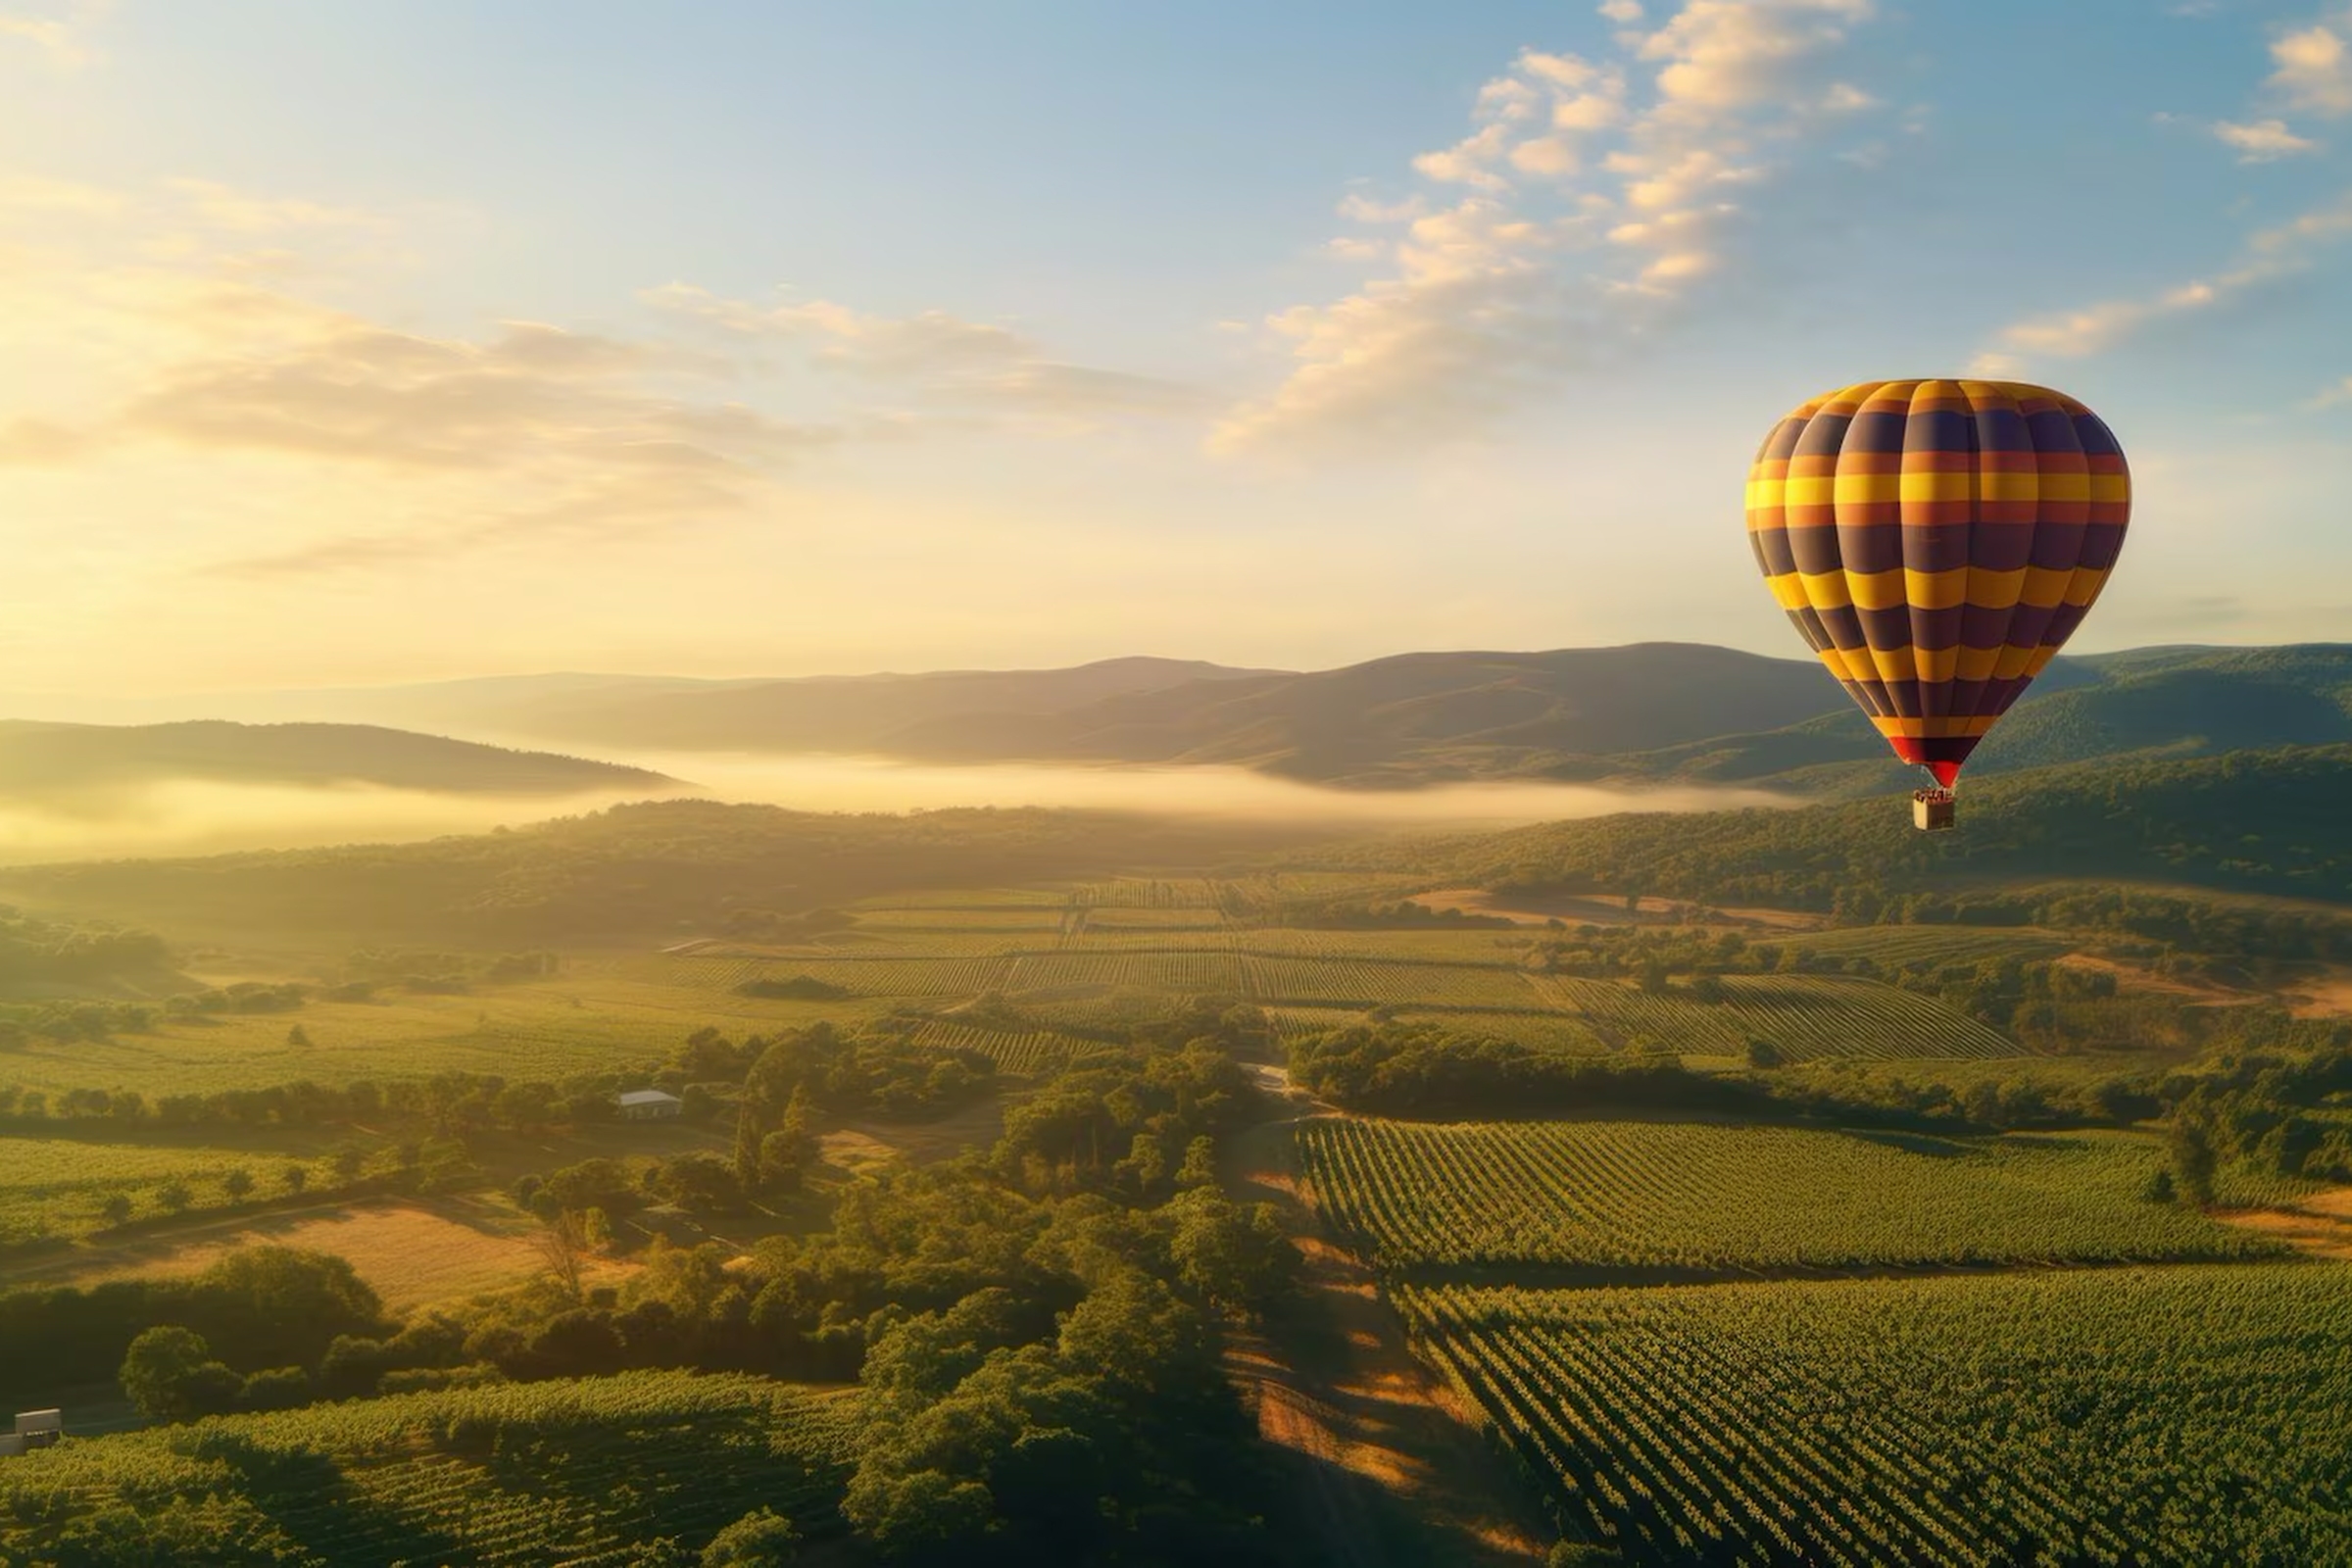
x,y
1876,590
2085,585
1854,488
2046,586
1994,590
1934,590
1825,590
1944,486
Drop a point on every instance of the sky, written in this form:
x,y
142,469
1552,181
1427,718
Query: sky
x,y
355,342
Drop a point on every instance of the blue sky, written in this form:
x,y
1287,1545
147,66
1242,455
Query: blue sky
x,y
385,341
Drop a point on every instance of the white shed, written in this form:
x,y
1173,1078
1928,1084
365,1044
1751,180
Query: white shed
x,y
648,1105
36,1429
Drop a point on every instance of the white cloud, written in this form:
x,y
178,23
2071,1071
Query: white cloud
x,y
1583,222
1546,155
2267,255
1364,209
934,355
2314,69
61,32
2262,140
1470,161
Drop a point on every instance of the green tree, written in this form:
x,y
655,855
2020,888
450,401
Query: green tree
x,y
2194,1161
116,1209
760,1539
237,1183
169,1374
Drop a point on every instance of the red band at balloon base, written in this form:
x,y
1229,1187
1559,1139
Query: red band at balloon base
x,y
1940,756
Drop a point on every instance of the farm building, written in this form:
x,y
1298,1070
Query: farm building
x,y
648,1105
36,1429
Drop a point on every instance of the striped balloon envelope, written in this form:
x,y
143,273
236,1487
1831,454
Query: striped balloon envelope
x,y
1936,543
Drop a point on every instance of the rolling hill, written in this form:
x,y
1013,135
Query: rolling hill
x,y
1653,713
47,760
2270,821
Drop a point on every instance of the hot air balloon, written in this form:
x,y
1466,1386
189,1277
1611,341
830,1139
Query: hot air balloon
x,y
1936,543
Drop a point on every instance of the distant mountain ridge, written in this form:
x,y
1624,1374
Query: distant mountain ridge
x,y
1644,713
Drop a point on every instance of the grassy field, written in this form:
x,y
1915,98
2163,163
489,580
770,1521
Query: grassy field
x,y
55,1188
2189,1415
592,1017
1710,1199
592,1472
411,1253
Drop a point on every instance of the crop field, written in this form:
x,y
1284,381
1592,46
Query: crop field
x,y
980,898
1473,947
1178,972
1370,982
1139,893
1019,1053
1926,947
591,1472
2189,1415
1099,937
949,977
1708,1198
55,1187
1012,919
1543,1030
1807,1017
1153,919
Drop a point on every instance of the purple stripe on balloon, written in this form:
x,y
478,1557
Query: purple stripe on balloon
x,y
1980,628
1872,547
1940,430
1935,547
2000,545
2027,627
2102,542
2058,546
2063,621
1782,443
1822,436
1877,431
2001,428
1886,629
1814,550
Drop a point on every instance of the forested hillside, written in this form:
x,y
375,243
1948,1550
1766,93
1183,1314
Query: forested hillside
x,y
2269,821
